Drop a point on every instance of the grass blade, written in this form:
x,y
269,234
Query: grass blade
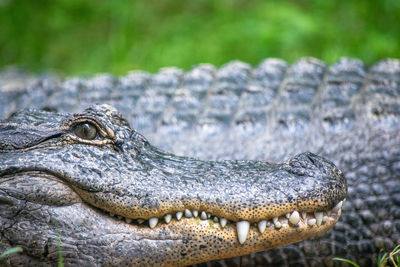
x,y
345,260
10,251
60,254
395,251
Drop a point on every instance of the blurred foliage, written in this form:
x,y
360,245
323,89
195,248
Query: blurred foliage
x,y
78,37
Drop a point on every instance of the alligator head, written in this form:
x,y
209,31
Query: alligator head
x,y
112,197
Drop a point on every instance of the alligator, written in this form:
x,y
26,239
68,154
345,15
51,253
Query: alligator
x,y
90,185
96,157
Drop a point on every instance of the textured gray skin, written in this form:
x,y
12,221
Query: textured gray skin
x,y
130,177
348,113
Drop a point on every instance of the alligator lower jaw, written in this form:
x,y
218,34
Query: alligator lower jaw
x,y
205,240
223,243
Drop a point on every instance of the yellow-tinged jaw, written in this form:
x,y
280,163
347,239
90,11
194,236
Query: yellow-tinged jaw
x,y
223,242
204,237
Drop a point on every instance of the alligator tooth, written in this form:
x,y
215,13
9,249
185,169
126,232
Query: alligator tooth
x,y
324,218
287,215
167,218
179,215
329,213
208,215
338,206
304,215
112,214
215,219
318,217
262,225
311,222
153,222
242,230
128,220
223,222
203,215
195,213
294,218
188,214
277,223
140,221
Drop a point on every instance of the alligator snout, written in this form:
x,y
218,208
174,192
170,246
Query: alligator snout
x,y
307,162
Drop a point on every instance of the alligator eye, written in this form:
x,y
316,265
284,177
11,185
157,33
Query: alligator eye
x,y
86,131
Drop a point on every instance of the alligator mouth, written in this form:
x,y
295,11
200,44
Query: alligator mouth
x,y
317,222
227,238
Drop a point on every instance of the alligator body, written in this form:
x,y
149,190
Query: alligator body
x,y
348,113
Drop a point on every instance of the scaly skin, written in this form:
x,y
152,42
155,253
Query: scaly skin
x,y
117,171
347,113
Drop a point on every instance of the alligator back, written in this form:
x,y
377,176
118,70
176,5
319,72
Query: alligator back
x,y
347,112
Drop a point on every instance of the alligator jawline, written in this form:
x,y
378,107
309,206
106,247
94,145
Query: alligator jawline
x,y
288,219
316,223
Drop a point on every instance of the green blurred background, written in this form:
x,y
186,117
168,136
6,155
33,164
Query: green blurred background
x,y
82,37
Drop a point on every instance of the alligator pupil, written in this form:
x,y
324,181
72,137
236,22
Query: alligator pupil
x,y
86,131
